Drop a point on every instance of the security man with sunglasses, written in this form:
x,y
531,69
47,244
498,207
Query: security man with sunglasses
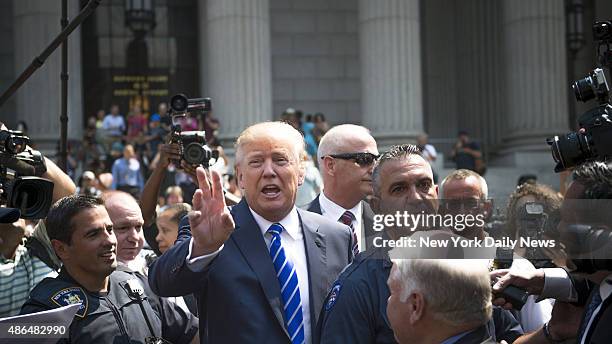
x,y
346,159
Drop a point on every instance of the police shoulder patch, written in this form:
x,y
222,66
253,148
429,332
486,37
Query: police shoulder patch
x,y
70,296
333,296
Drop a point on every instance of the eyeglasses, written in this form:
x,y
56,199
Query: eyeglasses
x,y
362,159
459,205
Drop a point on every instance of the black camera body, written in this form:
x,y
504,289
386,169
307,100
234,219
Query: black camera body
x,y
19,166
13,142
193,148
594,142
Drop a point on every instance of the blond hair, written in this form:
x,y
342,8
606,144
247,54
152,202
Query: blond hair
x,y
270,129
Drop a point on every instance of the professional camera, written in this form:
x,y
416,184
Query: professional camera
x,y
193,148
12,142
595,142
588,246
19,166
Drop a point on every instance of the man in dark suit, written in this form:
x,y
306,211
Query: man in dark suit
x,y
346,159
455,314
261,271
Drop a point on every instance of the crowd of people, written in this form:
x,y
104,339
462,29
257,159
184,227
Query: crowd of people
x,y
286,248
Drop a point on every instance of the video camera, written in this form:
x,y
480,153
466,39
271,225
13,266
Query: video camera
x,y
595,143
19,168
192,144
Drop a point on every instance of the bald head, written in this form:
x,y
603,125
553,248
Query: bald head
x,y
127,220
344,138
346,158
119,199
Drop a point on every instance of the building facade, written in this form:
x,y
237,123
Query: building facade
x,y
499,69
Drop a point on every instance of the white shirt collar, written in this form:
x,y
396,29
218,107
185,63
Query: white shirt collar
x,y
331,210
291,223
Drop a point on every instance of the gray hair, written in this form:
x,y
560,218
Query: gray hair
x,y
396,152
456,291
462,174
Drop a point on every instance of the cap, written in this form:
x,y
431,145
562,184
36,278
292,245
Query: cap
x,y
9,215
155,118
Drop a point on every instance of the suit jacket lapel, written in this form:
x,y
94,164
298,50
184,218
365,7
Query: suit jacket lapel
x,y
315,206
314,243
367,225
248,239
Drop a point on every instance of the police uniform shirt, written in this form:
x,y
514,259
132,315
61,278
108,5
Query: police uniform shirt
x,y
114,316
355,310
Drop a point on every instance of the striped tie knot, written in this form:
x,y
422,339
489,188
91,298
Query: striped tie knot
x,y
347,218
275,229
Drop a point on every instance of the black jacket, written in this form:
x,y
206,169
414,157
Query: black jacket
x,y
115,316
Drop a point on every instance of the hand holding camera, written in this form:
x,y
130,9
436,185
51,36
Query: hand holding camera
x,y
192,144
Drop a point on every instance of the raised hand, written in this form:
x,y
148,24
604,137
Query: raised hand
x,y
210,221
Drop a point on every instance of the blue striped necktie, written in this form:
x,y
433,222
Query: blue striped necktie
x,y
290,290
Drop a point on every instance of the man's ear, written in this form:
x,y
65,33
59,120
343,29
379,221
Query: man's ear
x,y
416,302
330,164
61,249
238,174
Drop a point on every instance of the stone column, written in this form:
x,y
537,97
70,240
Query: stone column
x,y
37,23
439,40
390,53
238,55
478,60
536,78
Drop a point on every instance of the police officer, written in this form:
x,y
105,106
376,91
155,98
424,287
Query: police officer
x,y
116,306
355,308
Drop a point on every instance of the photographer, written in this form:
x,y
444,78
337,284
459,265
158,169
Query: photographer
x,y
150,192
592,180
26,261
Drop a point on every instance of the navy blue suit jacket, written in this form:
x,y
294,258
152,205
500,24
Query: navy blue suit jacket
x,y
238,293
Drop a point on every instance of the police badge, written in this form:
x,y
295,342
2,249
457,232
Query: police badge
x,y
333,296
70,296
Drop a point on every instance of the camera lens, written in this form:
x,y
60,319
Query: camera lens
x,y
196,154
601,30
583,89
32,195
569,150
179,103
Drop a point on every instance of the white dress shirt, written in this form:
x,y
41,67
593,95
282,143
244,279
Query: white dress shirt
x,y
332,211
292,240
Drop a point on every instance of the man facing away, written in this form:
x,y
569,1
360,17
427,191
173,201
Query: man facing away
x,y
455,311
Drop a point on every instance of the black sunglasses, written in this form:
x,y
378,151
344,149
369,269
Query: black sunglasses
x,y
362,159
